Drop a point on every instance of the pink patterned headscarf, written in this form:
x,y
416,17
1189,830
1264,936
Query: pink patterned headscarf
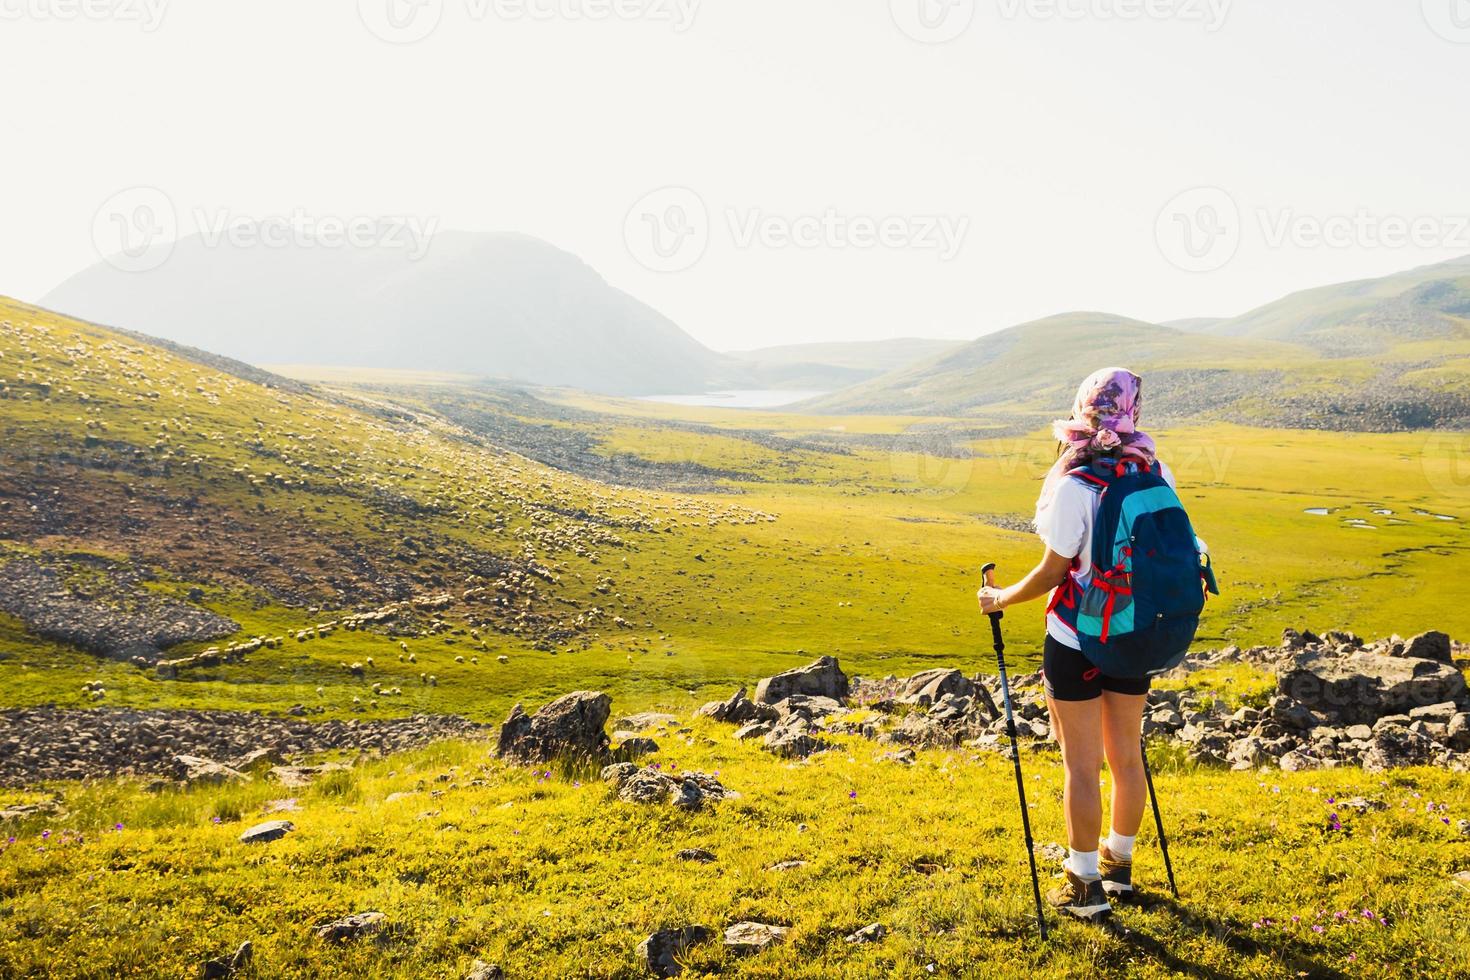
x,y
1104,421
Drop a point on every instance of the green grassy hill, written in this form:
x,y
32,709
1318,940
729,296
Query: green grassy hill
x,y
1430,303
665,555
1379,355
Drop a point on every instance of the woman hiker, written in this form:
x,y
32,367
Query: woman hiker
x,y
1094,716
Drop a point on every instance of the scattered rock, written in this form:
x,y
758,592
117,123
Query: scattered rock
x,y
1051,852
660,952
820,678
354,926
570,727
196,770
47,743
480,970
645,720
1432,645
737,710
745,938
755,729
868,934
928,686
688,790
223,967
637,746
697,854
1362,686
787,865
264,833
792,739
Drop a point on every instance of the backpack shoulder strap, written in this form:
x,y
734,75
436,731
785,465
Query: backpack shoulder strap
x,y
1089,479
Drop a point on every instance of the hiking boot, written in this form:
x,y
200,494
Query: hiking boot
x,y
1082,897
1117,874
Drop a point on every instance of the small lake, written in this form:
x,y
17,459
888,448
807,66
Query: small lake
x,y
735,399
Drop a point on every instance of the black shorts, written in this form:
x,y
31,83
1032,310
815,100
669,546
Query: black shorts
x,y
1070,676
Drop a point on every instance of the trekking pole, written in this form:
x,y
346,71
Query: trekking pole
x,y
1158,820
987,576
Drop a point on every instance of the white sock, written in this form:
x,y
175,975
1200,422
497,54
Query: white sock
x,y
1121,846
1083,864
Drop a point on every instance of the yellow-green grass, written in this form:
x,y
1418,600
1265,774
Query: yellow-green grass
x,y
872,556
549,877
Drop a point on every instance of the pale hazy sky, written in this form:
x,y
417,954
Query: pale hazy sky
x,y
1053,135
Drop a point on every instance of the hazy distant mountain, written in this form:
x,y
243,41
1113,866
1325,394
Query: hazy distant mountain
x,y
1034,365
498,305
1428,303
1382,354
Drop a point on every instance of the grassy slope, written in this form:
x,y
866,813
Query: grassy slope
x,y
872,556
552,879
1407,331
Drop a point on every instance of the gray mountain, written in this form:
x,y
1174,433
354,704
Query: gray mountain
x,y
495,305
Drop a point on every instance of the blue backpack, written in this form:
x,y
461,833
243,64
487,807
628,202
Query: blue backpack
x,y
1139,613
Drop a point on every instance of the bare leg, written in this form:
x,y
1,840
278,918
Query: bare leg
x,y
1078,728
1122,720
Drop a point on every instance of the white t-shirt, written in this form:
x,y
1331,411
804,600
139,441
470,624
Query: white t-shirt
x,y
1066,528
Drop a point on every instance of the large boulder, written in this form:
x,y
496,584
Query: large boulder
x,y
1432,645
928,686
821,678
793,739
1393,747
738,710
1361,687
571,727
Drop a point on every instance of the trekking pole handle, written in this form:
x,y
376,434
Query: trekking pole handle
x,y
987,579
